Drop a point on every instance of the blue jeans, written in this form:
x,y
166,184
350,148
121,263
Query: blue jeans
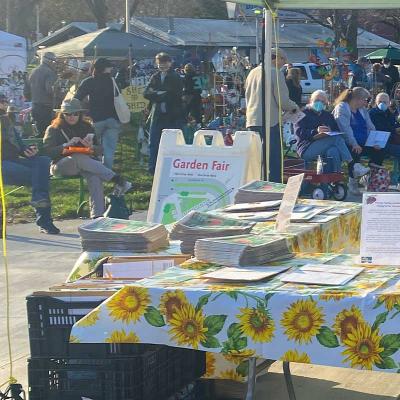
x,y
32,172
275,151
107,133
333,147
156,129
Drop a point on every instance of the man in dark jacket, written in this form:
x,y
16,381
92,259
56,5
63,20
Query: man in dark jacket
x,y
22,165
39,88
165,94
390,70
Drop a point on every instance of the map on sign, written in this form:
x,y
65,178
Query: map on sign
x,y
196,183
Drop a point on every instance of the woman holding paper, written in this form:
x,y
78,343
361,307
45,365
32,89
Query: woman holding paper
x,y
317,134
354,121
385,120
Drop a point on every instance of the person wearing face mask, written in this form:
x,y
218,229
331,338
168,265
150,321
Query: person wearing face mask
x,y
99,88
164,91
391,71
385,120
354,121
312,134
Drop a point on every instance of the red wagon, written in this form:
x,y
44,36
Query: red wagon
x,y
319,186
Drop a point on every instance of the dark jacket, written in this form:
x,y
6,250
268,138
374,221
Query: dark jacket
x,y
39,87
295,92
172,98
11,143
385,121
100,90
54,139
393,73
307,128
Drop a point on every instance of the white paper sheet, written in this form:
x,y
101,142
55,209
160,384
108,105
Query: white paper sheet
x,y
247,274
377,138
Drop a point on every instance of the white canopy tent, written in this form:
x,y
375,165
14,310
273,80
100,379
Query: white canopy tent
x,y
13,53
270,6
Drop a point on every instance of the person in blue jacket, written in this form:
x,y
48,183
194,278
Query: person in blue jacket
x,y
313,134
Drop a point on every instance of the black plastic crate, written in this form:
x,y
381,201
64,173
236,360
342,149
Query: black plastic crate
x,y
50,322
133,378
155,372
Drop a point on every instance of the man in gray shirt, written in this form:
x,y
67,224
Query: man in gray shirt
x,y
39,88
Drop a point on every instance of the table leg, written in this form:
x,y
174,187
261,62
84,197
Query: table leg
x,y
288,379
251,383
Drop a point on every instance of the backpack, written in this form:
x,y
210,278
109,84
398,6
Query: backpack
x,y
116,207
379,179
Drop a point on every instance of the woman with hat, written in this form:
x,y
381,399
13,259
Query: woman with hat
x,y
72,145
22,165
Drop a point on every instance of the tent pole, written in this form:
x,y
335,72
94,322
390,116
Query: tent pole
x,y
127,16
267,87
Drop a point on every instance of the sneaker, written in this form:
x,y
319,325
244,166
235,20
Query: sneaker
x,y
359,170
49,229
353,187
364,181
121,188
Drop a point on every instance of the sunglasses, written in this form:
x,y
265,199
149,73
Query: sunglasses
x,y
76,114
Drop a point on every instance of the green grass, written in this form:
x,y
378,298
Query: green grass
x,y
65,193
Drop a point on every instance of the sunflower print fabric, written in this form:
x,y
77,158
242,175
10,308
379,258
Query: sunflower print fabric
x,y
354,326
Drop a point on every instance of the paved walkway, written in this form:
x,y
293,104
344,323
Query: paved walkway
x,y
37,261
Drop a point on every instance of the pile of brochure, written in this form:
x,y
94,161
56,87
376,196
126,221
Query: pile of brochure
x,y
258,191
111,234
242,250
198,225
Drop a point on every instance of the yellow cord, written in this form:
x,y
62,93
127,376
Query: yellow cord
x,y
4,241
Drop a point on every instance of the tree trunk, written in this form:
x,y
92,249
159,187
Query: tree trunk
x,y
99,10
352,34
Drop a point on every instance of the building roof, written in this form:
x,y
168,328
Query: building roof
x,y
218,33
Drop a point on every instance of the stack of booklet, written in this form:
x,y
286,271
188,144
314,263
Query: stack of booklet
x,y
198,225
259,191
242,250
111,234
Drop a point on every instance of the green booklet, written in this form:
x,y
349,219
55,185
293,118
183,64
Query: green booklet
x,y
263,186
113,225
202,220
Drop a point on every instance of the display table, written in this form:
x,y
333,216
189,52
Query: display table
x,y
340,235
357,325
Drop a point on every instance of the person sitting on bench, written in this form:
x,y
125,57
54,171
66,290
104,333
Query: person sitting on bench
x,y
313,134
385,120
22,166
71,143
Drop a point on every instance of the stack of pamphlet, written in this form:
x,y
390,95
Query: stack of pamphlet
x,y
198,225
244,250
257,191
111,234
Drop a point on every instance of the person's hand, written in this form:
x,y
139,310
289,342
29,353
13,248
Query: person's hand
x,y
74,141
357,149
31,151
323,129
87,143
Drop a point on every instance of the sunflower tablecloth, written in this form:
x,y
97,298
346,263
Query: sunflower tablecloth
x,y
357,325
340,235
